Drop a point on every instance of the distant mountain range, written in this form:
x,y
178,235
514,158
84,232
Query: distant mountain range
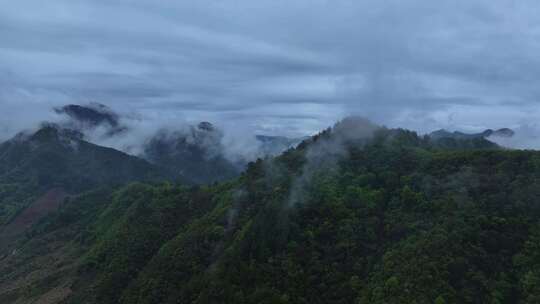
x,y
190,152
195,154
504,132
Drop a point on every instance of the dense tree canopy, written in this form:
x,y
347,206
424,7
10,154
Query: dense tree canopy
x,y
388,218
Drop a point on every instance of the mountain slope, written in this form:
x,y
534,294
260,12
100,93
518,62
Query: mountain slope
x,y
54,157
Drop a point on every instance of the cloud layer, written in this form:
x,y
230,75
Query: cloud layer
x,y
276,67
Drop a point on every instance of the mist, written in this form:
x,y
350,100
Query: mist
x,y
132,131
325,152
526,137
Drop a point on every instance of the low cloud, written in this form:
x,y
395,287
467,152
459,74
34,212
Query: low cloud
x,y
525,137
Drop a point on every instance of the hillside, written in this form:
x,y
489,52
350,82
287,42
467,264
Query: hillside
x,y
54,157
356,214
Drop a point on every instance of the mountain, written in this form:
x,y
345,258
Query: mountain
x,y
504,132
195,153
198,152
189,152
92,116
57,158
355,214
449,140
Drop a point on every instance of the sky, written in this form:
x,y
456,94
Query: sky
x,y
288,67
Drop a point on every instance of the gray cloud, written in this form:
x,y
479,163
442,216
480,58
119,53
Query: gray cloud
x,y
280,67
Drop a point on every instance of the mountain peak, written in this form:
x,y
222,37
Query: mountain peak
x,y
504,132
206,126
50,131
443,133
91,116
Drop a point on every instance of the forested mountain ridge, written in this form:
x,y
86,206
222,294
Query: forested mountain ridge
x,y
196,153
356,214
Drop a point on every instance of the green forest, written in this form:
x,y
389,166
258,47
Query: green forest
x,y
391,217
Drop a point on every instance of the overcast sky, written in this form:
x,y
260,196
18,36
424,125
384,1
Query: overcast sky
x,y
276,67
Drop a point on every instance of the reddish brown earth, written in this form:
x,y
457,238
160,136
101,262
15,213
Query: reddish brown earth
x,y
49,202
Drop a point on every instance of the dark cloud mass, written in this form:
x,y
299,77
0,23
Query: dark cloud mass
x,y
276,67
